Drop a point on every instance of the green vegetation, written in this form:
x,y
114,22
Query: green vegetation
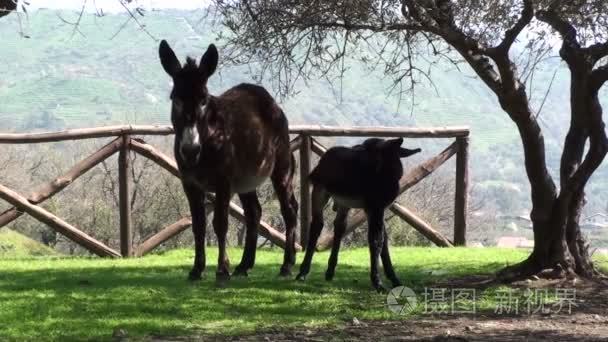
x,y
80,298
93,79
58,79
16,245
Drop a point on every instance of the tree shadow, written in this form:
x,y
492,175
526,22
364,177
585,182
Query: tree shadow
x,y
92,300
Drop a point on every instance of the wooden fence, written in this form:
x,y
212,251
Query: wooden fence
x,y
304,141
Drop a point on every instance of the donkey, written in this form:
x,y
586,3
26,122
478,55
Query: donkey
x,y
365,176
229,144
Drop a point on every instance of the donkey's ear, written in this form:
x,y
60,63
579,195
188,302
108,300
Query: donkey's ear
x,y
394,143
209,61
405,152
168,59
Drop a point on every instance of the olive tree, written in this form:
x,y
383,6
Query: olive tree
x,y
298,39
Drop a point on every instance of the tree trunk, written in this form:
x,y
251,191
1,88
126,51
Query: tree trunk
x,y
559,243
576,242
6,7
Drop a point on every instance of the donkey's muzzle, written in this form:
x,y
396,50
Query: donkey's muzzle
x,y
190,153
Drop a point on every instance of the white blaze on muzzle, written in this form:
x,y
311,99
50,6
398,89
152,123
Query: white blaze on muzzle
x,y
189,142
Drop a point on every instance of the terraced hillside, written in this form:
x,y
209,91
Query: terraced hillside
x,y
100,75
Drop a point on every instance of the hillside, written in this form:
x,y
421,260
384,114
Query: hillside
x,y
15,245
68,80
59,78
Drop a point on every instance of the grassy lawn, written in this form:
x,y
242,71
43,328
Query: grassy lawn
x,y
82,298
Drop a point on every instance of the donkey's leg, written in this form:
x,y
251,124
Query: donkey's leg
x,y
375,219
197,211
253,212
339,228
282,177
220,225
389,271
319,199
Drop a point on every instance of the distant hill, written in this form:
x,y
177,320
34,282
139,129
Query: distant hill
x,y
16,245
59,78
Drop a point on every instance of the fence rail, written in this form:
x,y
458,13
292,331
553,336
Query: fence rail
x,y
311,130
304,141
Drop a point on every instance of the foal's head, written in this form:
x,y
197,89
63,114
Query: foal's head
x,y
188,96
388,152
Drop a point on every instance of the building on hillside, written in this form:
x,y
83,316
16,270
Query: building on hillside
x,y
514,242
598,221
514,223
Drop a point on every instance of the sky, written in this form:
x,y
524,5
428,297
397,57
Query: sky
x,y
112,6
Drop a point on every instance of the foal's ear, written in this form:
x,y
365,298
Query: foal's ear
x,y
394,143
168,59
209,61
406,152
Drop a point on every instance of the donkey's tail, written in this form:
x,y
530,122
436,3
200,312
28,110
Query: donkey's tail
x,y
293,200
294,165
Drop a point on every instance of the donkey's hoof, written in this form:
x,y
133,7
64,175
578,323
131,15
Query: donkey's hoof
x,y
285,272
195,275
397,283
380,288
329,276
240,272
222,276
301,277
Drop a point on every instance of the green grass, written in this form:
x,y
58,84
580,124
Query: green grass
x,y
15,245
86,299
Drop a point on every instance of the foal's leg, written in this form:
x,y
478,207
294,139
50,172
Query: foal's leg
x,y
375,219
389,271
339,228
282,177
319,199
197,211
253,212
220,225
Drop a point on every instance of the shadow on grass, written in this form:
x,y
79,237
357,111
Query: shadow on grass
x,y
89,299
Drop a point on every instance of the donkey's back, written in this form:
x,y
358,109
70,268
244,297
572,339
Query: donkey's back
x,y
257,135
259,99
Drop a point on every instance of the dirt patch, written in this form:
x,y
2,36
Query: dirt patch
x,y
579,327
588,321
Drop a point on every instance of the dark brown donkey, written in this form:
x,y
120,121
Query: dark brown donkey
x,y
228,144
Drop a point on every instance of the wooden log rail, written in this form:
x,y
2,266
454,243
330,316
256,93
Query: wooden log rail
x,y
304,142
411,178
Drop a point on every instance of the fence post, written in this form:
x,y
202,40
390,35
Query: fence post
x,y
124,186
462,191
305,203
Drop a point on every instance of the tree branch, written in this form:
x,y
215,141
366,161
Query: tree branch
x,y
7,6
410,8
511,34
599,76
439,22
570,42
598,147
357,27
598,51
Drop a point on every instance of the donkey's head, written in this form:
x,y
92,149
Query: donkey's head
x,y
189,96
388,152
